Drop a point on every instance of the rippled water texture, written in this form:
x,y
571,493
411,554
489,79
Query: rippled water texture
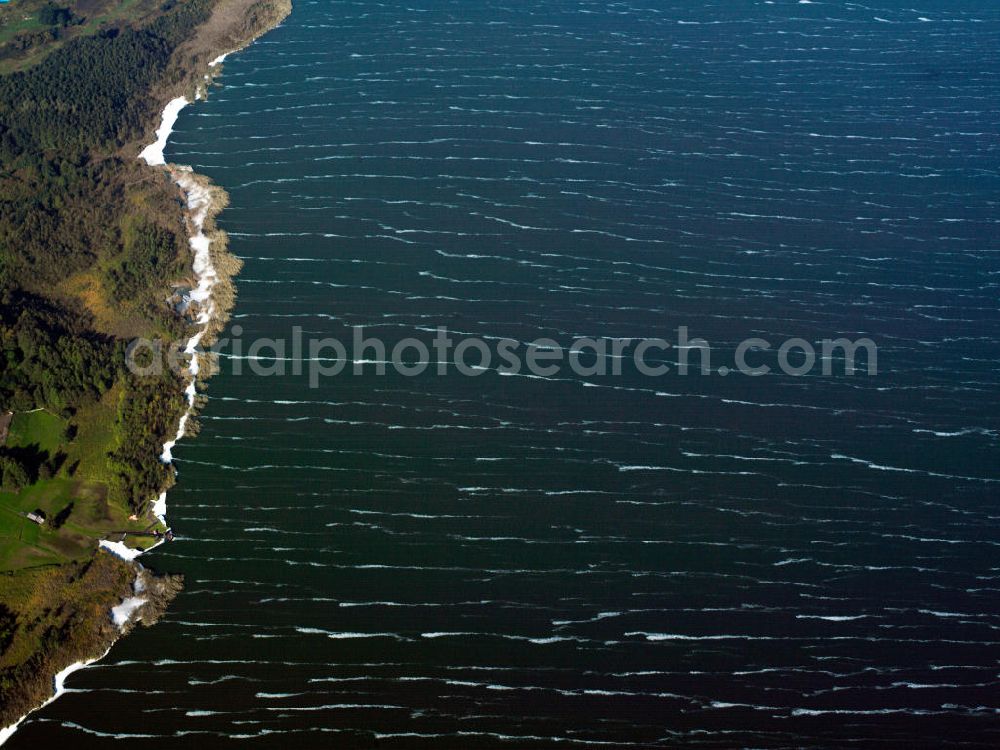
x,y
457,562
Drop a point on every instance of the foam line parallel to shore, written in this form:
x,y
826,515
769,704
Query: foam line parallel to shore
x,y
59,682
204,201
198,206
153,153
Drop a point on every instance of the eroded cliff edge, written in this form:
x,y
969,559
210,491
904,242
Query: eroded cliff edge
x,y
63,601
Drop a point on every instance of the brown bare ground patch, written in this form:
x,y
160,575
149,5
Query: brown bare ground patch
x,y
232,25
86,287
5,418
73,600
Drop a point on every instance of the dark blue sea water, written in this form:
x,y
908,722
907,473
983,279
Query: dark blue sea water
x,y
620,561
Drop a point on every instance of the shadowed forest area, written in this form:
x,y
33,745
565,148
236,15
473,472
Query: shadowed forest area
x,y
92,248
94,252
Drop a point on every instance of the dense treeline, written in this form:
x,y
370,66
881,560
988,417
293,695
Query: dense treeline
x,y
53,15
52,105
55,215
45,363
94,92
147,412
148,251
14,472
86,232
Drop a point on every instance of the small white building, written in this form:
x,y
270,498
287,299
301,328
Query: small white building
x,y
37,516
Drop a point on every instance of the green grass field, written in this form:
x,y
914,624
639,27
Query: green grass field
x,y
20,18
38,428
82,502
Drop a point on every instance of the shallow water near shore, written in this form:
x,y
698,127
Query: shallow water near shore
x,y
452,561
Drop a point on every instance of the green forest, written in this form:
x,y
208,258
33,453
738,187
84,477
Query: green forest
x,y
93,252
91,244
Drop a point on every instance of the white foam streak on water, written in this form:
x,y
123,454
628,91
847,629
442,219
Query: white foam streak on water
x,y
199,201
120,549
121,614
59,683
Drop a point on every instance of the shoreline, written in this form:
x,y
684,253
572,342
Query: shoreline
x,y
213,266
213,297
59,689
